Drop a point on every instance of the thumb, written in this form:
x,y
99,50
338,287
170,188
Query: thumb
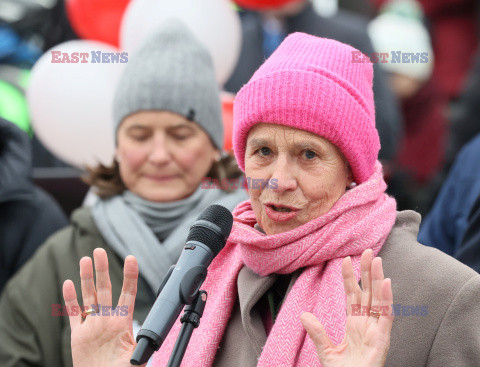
x,y
317,333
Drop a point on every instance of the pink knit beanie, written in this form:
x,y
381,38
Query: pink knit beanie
x,y
311,83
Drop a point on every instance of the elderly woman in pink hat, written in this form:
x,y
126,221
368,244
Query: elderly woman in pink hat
x,y
285,289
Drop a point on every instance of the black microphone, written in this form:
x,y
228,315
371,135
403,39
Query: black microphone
x,y
208,235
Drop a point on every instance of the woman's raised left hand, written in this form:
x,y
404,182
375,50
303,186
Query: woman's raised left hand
x,y
369,319
104,338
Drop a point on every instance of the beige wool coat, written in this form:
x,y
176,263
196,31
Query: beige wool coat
x,y
437,298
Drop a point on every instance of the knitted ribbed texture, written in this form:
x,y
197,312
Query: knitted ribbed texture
x,y
172,71
361,219
311,83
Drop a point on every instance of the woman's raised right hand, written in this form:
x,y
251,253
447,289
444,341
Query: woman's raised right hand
x,y
102,339
367,332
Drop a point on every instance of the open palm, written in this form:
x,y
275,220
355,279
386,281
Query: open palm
x,y
369,319
104,338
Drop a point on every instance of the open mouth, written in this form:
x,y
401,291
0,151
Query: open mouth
x,y
281,209
280,213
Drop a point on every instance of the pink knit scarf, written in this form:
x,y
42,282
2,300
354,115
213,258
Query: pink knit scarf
x,y
362,218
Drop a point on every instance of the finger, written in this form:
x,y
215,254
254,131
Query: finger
x,y
377,280
366,277
129,288
386,320
89,294
352,289
73,309
104,286
317,333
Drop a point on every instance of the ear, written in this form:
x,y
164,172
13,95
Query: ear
x,y
350,178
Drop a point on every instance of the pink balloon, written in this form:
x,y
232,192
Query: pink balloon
x,y
70,101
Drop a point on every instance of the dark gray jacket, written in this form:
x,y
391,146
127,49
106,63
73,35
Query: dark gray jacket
x,y
28,215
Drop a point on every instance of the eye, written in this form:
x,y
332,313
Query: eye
x,y
181,136
181,133
309,154
139,136
264,151
138,133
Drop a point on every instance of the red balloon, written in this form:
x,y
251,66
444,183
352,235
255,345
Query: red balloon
x,y
227,114
260,5
97,20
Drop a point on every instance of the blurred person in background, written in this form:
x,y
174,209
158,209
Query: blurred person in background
x,y
28,28
465,114
28,215
364,7
445,225
266,23
399,33
468,251
169,136
454,29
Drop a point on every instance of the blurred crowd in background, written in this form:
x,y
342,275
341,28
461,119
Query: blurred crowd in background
x,y
428,113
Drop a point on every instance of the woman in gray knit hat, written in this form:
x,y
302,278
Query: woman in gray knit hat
x,y
169,135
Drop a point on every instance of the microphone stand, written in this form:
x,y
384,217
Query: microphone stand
x,y
190,320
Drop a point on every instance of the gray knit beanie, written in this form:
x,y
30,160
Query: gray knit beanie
x,y
172,71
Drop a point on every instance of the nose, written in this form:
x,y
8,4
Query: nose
x,y
159,152
284,173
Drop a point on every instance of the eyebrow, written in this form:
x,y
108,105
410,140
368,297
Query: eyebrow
x,y
180,125
257,143
133,127
310,145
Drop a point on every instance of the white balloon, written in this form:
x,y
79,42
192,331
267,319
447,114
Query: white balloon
x,y
214,22
71,104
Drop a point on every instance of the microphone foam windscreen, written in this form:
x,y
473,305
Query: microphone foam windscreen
x,y
215,240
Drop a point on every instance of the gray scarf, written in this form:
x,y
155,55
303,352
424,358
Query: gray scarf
x,y
154,233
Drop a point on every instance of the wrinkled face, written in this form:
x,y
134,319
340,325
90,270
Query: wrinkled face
x,y
307,174
163,156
